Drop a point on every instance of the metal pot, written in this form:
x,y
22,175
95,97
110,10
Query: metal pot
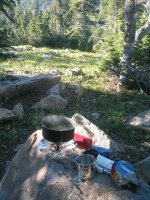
x,y
57,128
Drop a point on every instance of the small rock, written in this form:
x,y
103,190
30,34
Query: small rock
x,y
6,115
67,50
142,120
10,70
80,78
27,71
57,89
21,58
18,110
95,116
74,72
50,102
90,76
54,72
46,57
143,169
80,91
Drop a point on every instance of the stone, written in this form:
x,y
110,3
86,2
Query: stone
x,y
143,169
18,110
33,175
141,121
95,116
22,87
6,115
10,70
51,102
54,72
99,137
21,58
57,89
74,71
9,53
27,71
80,91
47,57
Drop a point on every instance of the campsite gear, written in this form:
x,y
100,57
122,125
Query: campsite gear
x,y
82,141
123,173
48,147
95,151
105,163
86,167
57,129
99,169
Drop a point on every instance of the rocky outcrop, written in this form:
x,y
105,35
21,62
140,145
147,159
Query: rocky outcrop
x,y
22,87
141,121
51,102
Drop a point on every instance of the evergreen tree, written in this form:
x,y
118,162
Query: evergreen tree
x,y
5,8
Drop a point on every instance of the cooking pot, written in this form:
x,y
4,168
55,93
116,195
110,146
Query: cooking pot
x,y
57,129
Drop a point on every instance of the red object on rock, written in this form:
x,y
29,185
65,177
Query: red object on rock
x,y
82,142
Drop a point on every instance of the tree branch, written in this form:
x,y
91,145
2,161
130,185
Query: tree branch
x,y
142,32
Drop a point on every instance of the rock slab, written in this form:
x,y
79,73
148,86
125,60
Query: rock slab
x,y
33,175
22,87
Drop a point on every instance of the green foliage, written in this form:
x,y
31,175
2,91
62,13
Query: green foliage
x,y
5,12
110,45
142,52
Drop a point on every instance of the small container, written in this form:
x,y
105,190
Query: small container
x,y
105,163
86,166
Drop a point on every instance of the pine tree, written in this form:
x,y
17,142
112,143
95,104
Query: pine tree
x,y
5,8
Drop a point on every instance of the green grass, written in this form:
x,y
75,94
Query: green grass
x,y
115,108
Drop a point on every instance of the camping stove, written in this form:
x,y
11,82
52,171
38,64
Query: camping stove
x,y
54,149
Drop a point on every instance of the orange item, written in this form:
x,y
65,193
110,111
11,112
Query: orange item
x,y
82,142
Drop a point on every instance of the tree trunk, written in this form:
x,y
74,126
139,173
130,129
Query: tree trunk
x,y
130,26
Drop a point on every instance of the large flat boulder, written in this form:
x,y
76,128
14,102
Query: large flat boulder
x,y
22,87
142,120
34,175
